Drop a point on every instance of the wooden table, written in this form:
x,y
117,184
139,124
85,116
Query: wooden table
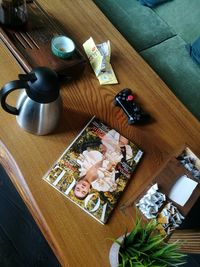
x,y
76,238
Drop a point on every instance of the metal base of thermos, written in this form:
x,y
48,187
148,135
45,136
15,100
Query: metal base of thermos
x,y
38,118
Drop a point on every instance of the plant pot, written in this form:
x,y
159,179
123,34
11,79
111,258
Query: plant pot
x,y
114,253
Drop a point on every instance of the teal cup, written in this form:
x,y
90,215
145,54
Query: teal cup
x,y
62,46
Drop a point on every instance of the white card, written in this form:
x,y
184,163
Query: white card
x,y
182,190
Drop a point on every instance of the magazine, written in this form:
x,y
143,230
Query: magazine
x,y
95,169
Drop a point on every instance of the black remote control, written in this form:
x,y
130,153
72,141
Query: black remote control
x,y
125,100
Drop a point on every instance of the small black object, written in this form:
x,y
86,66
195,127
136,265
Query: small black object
x,y
125,100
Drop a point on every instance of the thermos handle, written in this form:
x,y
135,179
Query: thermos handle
x,y
6,90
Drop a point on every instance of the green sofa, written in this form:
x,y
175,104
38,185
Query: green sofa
x,y
160,35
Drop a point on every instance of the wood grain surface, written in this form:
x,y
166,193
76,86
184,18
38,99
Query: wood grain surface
x,y
190,240
32,44
76,238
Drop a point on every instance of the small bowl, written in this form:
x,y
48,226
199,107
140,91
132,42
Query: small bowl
x,y
62,46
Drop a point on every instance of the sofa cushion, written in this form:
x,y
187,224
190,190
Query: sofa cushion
x,y
172,62
194,50
138,24
183,16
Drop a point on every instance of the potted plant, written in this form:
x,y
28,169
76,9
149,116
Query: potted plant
x,y
145,247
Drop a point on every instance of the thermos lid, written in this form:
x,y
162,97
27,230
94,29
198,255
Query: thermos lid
x,y
43,84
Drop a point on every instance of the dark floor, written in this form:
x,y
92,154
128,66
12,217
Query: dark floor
x,y
21,242
193,221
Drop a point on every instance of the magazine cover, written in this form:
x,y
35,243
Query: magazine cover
x,y
94,170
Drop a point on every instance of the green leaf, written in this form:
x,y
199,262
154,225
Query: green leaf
x,y
132,251
135,231
152,245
